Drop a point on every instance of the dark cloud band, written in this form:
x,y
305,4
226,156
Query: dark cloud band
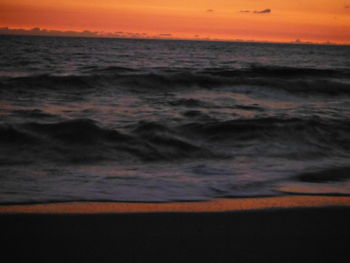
x,y
265,11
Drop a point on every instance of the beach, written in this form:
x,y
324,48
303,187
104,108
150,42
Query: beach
x,y
136,150
277,229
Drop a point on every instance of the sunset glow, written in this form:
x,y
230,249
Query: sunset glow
x,y
272,20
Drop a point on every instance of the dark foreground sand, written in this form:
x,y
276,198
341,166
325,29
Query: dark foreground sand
x,y
290,233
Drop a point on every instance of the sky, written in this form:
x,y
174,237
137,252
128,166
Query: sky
x,y
259,20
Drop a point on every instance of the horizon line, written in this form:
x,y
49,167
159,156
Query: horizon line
x,y
38,32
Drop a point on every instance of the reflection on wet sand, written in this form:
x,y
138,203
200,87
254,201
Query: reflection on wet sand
x,y
217,205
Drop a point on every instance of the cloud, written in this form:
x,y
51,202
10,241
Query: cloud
x,y
166,36
347,6
86,33
265,11
45,32
210,10
299,41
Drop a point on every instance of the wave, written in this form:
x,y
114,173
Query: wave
x,y
293,80
35,114
278,72
190,103
84,140
338,174
107,70
292,138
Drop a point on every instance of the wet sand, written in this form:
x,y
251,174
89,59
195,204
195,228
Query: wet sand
x,y
284,229
217,205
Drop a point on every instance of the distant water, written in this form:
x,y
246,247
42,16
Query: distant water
x,y
152,120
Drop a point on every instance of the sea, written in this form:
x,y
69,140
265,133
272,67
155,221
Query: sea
x,y
141,120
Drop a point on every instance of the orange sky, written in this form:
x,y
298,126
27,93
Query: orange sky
x,y
311,20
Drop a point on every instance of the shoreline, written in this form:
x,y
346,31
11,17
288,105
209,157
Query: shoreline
x,y
283,229
215,205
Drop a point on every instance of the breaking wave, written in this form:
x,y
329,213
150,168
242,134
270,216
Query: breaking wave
x,y
84,140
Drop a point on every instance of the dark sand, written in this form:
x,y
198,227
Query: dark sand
x,y
290,234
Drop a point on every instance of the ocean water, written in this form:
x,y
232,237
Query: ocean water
x,y
157,120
